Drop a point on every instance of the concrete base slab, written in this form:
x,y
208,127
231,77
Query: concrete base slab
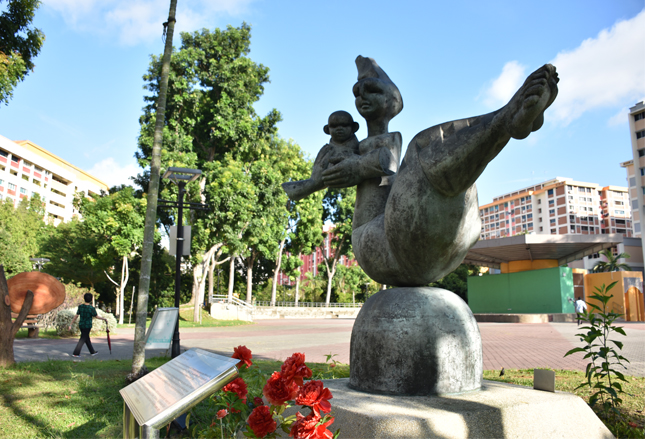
x,y
498,410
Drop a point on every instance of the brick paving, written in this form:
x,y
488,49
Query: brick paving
x,y
509,345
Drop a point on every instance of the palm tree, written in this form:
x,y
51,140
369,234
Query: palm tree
x,y
612,263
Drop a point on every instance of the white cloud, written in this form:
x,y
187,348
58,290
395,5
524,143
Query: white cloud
x,y
500,90
603,72
619,118
135,21
113,174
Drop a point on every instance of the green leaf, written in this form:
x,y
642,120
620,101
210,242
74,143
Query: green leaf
x,y
574,350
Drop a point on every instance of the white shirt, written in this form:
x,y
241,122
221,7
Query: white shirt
x,y
581,306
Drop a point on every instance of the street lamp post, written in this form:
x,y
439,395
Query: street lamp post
x,y
181,177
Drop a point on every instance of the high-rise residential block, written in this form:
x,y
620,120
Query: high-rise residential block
x,y
27,169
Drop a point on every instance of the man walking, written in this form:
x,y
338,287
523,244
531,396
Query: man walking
x,y
87,313
581,307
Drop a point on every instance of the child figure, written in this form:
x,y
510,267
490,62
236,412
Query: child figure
x,y
87,313
343,144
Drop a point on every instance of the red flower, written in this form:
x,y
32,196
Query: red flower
x,y
278,391
306,428
257,401
316,396
238,386
261,421
295,369
222,413
243,353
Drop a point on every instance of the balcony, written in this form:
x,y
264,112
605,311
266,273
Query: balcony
x,y
58,186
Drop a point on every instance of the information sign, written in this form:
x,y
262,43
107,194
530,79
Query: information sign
x,y
161,328
172,389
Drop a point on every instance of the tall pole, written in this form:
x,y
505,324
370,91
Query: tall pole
x,y
180,251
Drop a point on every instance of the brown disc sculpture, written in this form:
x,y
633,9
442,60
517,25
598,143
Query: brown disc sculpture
x,y
49,293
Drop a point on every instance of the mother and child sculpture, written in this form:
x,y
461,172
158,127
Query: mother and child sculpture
x,y
413,224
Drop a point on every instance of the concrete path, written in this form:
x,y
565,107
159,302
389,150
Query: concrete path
x,y
509,345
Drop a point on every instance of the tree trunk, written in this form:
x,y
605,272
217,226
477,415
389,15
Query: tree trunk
x,y
330,278
249,278
139,353
231,278
125,276
8,329
297,287
211,269
276,272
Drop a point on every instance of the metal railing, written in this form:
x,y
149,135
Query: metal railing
x,y
309,304
234,301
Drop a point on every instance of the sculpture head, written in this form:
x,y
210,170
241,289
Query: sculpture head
x,y
377,97
340,126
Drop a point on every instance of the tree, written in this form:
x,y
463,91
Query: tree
x,y
19,44
8,328
338,210
209,119
73,254
612,263
22,230
306,236
117,222
139,352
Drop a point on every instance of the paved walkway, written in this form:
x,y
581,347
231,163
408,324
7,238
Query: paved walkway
x,y
509,345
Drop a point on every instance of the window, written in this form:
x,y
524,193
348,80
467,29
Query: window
x,y
642,171
3,154
639,116
632,181
539,201
641,152
23,191
530,224
540,220
540,210
572,218
541,229
635,204
619,203
551,211
12,186
620,212
1,181
640,134
550,192
523,217
585,228
572,229
551,203
637,227
553,221
553,231
529,216
15,159
25,177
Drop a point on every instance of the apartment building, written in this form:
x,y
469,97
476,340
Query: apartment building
x,y
27,169
636,168
560,206
312,261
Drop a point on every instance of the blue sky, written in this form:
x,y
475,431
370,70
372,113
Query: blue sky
x,y
449,59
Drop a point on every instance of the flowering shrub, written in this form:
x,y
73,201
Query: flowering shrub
x,y
239,408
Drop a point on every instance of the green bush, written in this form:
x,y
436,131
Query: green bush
x,y
65,317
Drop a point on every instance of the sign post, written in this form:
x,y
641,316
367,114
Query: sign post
x,y
167,392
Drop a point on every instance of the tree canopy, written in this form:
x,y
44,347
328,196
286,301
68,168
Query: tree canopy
x,y
19,44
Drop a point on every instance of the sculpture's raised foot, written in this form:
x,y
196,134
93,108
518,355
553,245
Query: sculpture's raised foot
x,y
415,341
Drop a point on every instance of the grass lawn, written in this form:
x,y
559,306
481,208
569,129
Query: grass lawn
x,y
82,400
